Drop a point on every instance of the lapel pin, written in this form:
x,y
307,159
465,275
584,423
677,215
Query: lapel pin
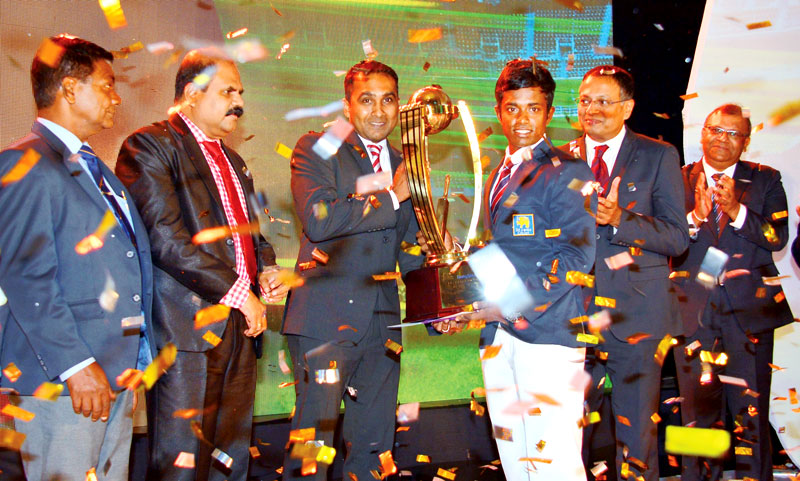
x,y
631,187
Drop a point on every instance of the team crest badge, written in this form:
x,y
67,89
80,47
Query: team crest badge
x,y
523,224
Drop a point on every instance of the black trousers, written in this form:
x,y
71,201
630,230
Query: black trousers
x,y
220,384
706,404
368,379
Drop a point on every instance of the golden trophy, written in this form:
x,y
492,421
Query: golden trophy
x,y
445,286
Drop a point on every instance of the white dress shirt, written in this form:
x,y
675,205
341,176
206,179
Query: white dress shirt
x,y
516,159
610,156
709,172
386,162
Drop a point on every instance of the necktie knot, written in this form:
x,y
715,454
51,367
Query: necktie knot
x,y
375,151
599,151
599,168
716,176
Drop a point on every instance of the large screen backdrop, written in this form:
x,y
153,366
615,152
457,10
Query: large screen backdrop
x,y
747,54
321,39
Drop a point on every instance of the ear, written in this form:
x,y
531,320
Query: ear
x,y
190,92
346,105
746,144
628,106
550,114
68,85
497,111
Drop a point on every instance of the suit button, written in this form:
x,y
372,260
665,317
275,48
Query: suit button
x,y
350,301
136,298
597,236
385,239
229,242
130,254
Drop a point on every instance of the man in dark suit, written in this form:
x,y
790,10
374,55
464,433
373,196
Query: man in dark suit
x,y
79,295
638,213
544,227
185,180
739,208
338,319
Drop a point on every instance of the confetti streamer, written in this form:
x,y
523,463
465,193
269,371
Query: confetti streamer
x,y
12,372
157,48
212,338
21,168
162,362
663,348
222,457
424,35
709,443
387,276
17,413
736,381
610,50
689,96
113,12
393,346
48,391
491,351
637,337
785,112
308,112
755,25
211,315
327,145
96,239
236,33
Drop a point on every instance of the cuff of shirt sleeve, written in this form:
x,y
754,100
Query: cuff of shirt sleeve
x,y
395,202
237,294
74,369
739,222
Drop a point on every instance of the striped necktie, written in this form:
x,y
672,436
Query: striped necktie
x,y
599,167
715,209
375,150
500,187
93,163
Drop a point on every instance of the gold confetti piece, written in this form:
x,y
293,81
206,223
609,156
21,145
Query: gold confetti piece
x,y
511,200
599,468
308,467
327,376
426,66
21,168
572,4
476,407
388,467
254,452
655,418
743,451
461,196
187,413
402,429
663,348
91,475
709,443
635,251
211,315
369,50
304,266
326,455
393,346
212,338
678,274
184,460
320,256
718,358
162,362
283,150
10,439
485,161
780,215
387,276
774,367
236,33
424,35
485,134
550,233
491,351
779,297
130,379
17,412
222,457
691,348
591,418
736,381
540,445
750,392
769,233
635,338
50,53
587,338
792,396
12,372
536,460
579,319
502,433
96,240
605,302
347,326
286,384
580,279
302,435
761,292
113,12
784,113
623,420
755,25
411,249
422,458
664,116
48,391
689,96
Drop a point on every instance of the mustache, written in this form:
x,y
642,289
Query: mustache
x,y
237,111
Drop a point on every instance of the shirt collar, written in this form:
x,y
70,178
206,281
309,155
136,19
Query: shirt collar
x,y
709,171
198,134
367,142
614,144
71,140
518,156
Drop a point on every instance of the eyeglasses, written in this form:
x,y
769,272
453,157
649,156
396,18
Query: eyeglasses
x,y
732,134
602,104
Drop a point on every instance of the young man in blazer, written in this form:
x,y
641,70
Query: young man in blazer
x,y
184,180
738,207
340,315
639,212
78,307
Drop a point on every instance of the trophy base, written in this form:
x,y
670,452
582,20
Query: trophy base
x,y
433,292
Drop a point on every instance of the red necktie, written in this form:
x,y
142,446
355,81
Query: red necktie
x,y
239,215
715,207
599,168
375,150
502,183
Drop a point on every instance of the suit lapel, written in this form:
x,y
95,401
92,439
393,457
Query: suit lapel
x,y
487,218
626,155
359,153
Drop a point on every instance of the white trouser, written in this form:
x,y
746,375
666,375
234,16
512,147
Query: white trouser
x,y
512,379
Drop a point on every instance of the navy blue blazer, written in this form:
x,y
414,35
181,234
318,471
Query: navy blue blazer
x,y
561,228
54,319
757,307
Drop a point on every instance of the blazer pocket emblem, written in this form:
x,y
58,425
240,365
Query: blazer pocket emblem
x,y
523,225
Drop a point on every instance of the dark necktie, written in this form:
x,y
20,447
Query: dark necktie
x,y
502,183
375,150
715,209
240,217
599,168
93,163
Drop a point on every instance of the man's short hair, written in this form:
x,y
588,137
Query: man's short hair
x,y
77,60
193,64
732,109
520,74
366,68
621,76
